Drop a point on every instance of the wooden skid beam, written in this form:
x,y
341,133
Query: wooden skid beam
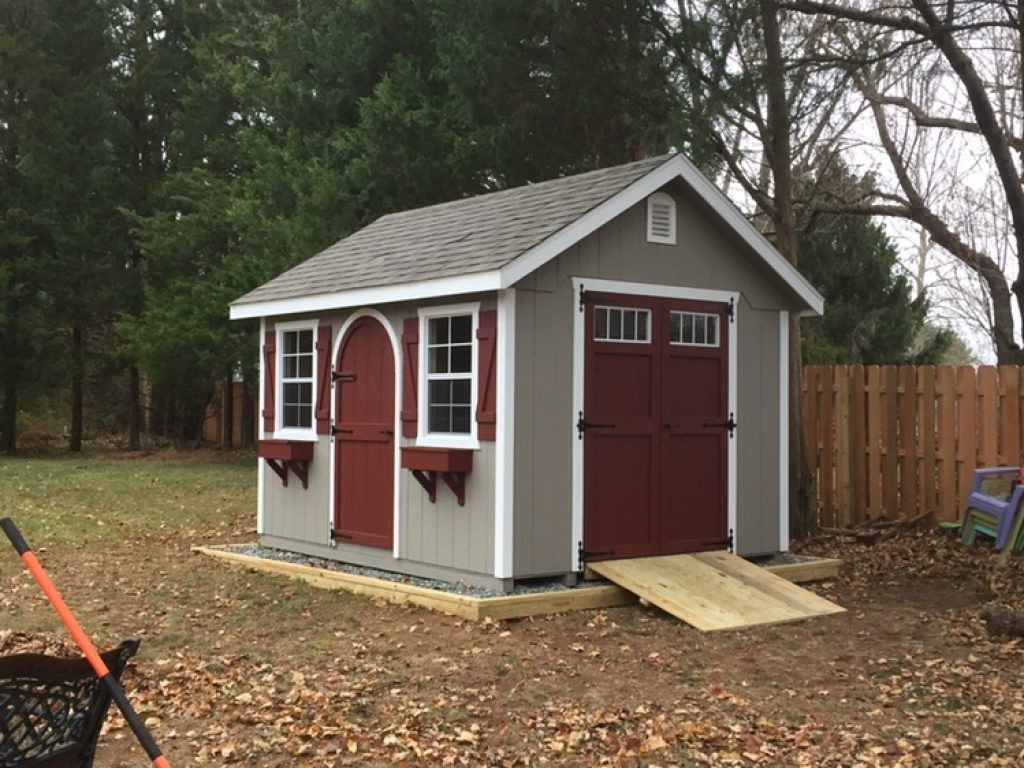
x,y
813,570
475,608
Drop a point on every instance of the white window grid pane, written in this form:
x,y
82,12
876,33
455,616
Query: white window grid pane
x,y
297,379
693,329
628,325
449,353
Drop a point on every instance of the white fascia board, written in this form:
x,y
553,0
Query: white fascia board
x,y
362,297
732,216
675,167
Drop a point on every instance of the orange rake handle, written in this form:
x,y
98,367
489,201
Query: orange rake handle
x,y
84,643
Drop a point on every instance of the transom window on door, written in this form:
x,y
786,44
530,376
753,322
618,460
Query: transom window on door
x,y
622,324
693,329
450,374
297,379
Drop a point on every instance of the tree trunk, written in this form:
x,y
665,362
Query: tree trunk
x,y
9,416
134,409
248,415
77,382
779,153
227,437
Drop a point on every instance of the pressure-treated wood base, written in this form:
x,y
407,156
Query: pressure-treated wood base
x,y
475,608
813,569
715,590
810,569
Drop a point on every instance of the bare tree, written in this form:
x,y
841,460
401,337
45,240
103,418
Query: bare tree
x,y
780,119
972,52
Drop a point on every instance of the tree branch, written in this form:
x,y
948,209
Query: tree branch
x,y
933,121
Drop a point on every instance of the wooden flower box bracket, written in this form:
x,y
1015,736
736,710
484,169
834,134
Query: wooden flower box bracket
x,y
284,455
452,464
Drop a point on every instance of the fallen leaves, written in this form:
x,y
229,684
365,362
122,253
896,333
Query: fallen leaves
x,y
910,677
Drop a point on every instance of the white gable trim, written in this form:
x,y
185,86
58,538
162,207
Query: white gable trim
x,y
675,167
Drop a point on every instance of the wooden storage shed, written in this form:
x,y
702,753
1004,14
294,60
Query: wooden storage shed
x,y
507,386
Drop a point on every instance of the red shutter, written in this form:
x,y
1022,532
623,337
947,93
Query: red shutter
x,y
410,368
323,380
269,379
487,381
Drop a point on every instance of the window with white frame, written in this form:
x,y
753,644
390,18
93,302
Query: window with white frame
x,y
449,373
693,329
625,324
296,380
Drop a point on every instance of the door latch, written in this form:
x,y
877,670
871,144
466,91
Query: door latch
x,y
730,424
582,424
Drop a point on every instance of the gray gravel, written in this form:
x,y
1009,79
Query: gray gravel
x,y
456,588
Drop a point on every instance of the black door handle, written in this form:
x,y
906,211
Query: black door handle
x,y
387,432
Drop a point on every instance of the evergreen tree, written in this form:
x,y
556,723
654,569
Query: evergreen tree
x,y
871,315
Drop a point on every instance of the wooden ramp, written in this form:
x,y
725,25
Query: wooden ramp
x,y
715,590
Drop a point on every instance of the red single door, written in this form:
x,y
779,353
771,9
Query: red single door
x,y
364,436
619,427
695,433
654,426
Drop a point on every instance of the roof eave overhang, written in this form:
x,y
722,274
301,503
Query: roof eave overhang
x,y
361,297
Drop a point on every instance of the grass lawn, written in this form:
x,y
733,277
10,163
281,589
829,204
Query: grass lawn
x,y
244,668
86,500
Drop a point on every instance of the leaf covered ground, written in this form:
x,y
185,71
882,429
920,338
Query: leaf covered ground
x,y
241,668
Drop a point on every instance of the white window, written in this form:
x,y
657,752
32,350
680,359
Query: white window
x,y
693,329
626,324
661,219
448,379
296,379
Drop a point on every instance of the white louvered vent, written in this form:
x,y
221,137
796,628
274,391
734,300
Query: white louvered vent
x,y
661,219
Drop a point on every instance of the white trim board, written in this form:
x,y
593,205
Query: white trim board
x,y
397,424
784,431
504,465
261,469
676,167
657,291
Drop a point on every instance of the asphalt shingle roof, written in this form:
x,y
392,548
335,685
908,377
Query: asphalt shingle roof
x,y
476,234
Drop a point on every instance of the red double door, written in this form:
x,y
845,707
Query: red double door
x,y
364,436
655,426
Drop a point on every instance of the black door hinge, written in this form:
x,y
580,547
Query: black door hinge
x,y
336,534
727,541
730,424
338,431
582,425
731,309
342,376
583,555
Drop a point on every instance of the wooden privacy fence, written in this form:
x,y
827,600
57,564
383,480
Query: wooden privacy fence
x,y
902,441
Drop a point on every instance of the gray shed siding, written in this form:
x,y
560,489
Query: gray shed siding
x,y
707,256
435,540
